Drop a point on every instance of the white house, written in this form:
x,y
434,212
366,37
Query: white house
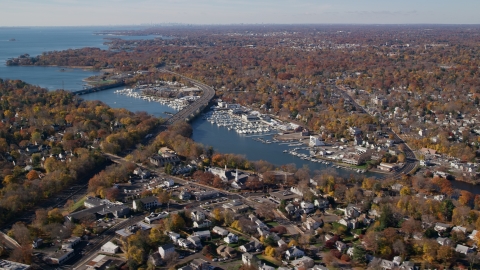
x,y
220,231
316,141
463,249
166,250
293,253
311,224
197,215
202,224
110,248
168,183
307,207
231,238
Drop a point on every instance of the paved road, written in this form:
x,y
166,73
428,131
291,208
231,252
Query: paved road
x,y
108,235
411,161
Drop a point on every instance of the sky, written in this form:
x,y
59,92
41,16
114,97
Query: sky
x,y
133,12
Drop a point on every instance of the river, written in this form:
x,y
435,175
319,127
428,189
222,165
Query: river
x,y
34,41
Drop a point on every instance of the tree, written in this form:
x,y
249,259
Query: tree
x,y
386,218
446,255
32,175
359,254
270,251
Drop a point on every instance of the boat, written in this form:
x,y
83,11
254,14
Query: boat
x,y
285,151
12,39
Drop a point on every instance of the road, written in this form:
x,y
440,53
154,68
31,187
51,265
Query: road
x,y
411,161
196,106
108,235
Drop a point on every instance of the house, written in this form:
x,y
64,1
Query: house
x,y
293,253
387,166
281,243
441,227
351,211
407,265
266,267
459,229
195,240
321,203
199,264
202,224
397,187
220,231
290,208
304,262
349,223
226,251
155,259
168,183
311,224
147,203
152,217
197,216
173,236
307,207
473,235
166,250
142,173
11,265
184,195
350,251
340,246
231,238
443,241
202,234
251,246
185,243
386,264
164,159
109,247
248,259
38,242
463,249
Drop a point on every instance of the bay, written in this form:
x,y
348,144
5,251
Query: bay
x,y
36,40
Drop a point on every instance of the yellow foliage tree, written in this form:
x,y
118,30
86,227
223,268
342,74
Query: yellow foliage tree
x,y
292,243
270,251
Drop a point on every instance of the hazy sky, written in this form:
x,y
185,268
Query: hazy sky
x,y
126,12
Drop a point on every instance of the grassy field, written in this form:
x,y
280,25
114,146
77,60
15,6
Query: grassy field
x,y
269,260
77,205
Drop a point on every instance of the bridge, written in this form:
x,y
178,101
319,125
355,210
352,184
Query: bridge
x,y
99,88
197,106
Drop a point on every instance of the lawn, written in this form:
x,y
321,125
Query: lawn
x,y
272,223
269,260
78,204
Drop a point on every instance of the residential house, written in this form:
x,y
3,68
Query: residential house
x,y
220,231
387,265
184,195
321,203
196,241
352,211
166,250
349,223
441,227
251,246
293,253
248,259
200,264
459,229
185,243
463,249
304,262
202,234
202,224
197,216
231,238
147,203
311,224
473,235
407,265
307,207
443,241
226,251
340,246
